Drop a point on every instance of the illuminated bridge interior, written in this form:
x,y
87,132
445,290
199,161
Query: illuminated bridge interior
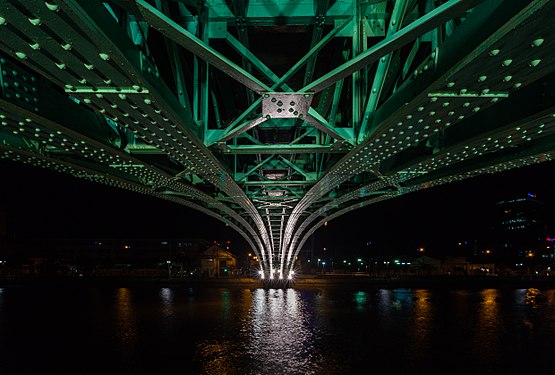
x,y
276,116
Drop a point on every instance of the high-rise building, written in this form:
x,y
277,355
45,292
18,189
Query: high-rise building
x,y
520,228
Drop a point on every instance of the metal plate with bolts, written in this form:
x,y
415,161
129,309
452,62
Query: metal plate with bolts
x,y
285,105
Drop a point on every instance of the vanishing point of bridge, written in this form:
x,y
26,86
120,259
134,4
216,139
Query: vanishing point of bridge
x,y
276,116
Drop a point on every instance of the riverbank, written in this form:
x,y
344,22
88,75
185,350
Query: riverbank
x,y
474,282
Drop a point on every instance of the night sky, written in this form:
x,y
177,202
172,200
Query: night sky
x,y
39,203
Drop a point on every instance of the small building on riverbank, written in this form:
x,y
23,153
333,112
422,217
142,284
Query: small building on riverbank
x,y
218,262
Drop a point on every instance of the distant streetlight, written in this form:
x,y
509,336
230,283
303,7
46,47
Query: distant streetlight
x,y
421,250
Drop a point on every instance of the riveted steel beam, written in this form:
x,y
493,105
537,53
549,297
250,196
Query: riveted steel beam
x,y
281,149
294,69
397,16
251,57
441,14
190,42
255,168
277,183
320,123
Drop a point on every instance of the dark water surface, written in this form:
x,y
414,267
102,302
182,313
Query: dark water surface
x,y
179,330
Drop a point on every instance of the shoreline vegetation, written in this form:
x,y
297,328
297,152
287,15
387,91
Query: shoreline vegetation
x,y
454,282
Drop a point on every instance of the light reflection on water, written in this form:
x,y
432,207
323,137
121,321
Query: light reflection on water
x,y
274,337
182,330
126,329
487,333
279,334
167,296
422,324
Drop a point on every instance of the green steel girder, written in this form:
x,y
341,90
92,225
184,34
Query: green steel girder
x,y
541,154
247,54
347,168
110,103
177,66
429,21
42,161
187,40
398,14
280,149
294,69
373,133
278,183
239,9
96,159
539,131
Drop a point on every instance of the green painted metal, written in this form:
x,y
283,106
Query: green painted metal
x,y
397,16
307,176
322,8
165,112
253,169
427,22
277,183
278,149
244,51
320,123
177,66
184,38
294,69
232,133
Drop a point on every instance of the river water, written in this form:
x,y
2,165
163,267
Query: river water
x,y
180,330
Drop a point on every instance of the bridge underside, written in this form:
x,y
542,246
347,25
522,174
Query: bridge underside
x,y
277,116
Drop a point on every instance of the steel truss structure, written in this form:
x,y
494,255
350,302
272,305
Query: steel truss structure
x,y
276,116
